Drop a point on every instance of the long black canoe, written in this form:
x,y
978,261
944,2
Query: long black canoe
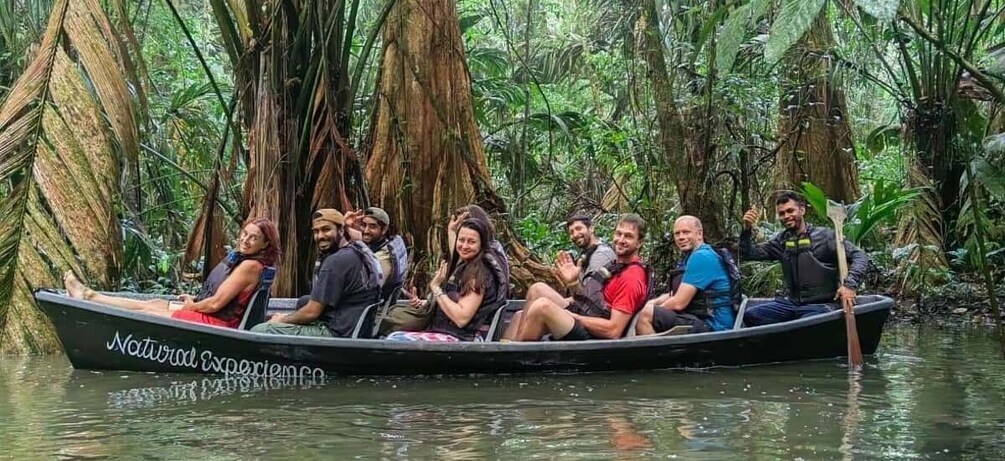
x,y
98,337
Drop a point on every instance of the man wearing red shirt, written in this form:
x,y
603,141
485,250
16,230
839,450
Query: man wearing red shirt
x,y
603,303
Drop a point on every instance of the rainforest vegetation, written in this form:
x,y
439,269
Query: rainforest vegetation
x,y
135,137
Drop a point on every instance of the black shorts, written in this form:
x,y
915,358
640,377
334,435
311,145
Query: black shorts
x,y
577,333
665,319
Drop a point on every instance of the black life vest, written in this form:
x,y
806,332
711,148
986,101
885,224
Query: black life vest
x,y
590,299
807,278
235,308
704,303
491,301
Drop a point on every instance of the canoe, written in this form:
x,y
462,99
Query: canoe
x,y
98,337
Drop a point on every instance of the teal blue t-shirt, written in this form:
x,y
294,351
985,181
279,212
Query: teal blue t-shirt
x,y
704,271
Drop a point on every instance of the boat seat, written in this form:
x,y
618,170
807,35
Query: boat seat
x,y
501,319
385,307
255,313
677,330
739,313
630,329
366,320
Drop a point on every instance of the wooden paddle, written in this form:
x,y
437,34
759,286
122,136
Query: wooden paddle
x,y
837,214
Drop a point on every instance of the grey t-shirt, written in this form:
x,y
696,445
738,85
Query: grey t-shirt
x,y
341,286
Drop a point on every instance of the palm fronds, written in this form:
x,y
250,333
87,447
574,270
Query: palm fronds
x,y
62,127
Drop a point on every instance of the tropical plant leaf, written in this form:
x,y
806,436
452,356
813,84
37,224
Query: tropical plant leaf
x,y
794,19
734,29
59,134
817,199
884,10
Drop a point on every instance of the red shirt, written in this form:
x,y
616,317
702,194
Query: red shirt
x,y
626,291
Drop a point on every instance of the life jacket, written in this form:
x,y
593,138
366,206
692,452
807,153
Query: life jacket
x,y
399,263
235,308
399,260
704,303
487,308
807,278
373,275
587,258
590,299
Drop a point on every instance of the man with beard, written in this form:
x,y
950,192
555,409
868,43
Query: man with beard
x,y
809,265
594,252
347,280
703,293
376,230
603,304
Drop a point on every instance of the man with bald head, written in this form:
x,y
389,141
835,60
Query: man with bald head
x,y
702,292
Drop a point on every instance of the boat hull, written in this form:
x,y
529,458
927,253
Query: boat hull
x,y
97,337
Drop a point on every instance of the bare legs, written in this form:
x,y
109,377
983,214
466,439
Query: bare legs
x,y
544,316
537,291
76,289
645,324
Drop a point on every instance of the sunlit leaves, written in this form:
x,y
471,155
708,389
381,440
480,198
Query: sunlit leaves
x,y
884,10
734,30
794,19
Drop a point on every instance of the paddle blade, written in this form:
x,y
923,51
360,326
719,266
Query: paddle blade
x,y
836,212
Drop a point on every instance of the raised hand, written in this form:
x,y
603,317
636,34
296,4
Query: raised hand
x,y
751,217
353,219
455,222
439,278
568,270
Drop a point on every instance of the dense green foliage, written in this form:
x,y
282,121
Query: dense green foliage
x,y
568,119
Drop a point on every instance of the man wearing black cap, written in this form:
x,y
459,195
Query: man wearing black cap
x,y
346,281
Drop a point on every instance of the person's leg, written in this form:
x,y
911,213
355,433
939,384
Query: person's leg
x,y
542,290
808,310
76,289
289,329
666,319
544,316
779,310
645,324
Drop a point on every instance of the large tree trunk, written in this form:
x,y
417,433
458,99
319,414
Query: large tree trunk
x,y
426,154
299,154
687,147
814,121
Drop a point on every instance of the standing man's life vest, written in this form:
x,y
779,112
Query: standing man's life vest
x,y
808,279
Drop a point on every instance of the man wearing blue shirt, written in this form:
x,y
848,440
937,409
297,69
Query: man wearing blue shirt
x,y
702,294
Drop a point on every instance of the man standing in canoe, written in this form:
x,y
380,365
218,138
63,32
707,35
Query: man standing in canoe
x,y
809,264
603,304
348,280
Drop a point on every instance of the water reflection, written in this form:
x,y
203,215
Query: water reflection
x,y
918,399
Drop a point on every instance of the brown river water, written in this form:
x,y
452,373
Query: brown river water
x,y
928,394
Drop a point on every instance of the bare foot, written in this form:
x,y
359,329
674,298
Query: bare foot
x,y
74,288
